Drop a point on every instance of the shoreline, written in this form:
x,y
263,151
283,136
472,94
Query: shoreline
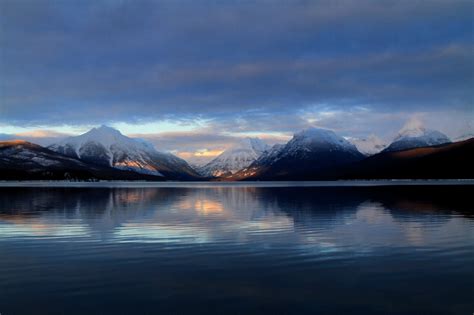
x,y
206,184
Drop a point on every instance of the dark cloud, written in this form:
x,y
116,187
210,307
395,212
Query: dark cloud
x,y
76,62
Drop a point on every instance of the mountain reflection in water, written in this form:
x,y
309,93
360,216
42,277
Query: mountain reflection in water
x,y
242,249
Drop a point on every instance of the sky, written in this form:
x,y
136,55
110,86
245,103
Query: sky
x,y
195,76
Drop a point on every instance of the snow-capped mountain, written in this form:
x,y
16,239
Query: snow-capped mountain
x,y
310,153
370,145
108,147
239,156
317,140
415,135
314,141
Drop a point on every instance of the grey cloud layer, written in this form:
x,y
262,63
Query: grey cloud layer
x,y
95,62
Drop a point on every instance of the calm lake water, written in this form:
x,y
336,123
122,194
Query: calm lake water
x,y
237,249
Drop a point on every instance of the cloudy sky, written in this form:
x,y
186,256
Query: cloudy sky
x,y
194,76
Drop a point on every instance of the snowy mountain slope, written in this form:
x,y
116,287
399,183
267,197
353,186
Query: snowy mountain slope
x,y
267,158
235,158
270,156
309,154
29,154
370,145
415,135
108,147
24,160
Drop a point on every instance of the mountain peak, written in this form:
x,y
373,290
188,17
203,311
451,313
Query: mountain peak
x,y
239,156
317,137
250,143
105,127
314,132
414,135
369,145
104,130
414,127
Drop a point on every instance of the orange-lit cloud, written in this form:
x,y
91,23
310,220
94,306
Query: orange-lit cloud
x,y
208,153
200,156
42,137
41,134
199,153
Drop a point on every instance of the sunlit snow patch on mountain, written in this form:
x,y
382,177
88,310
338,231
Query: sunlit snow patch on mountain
x,y
235,158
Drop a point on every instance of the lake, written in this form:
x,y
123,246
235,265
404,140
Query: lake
x,y
216,248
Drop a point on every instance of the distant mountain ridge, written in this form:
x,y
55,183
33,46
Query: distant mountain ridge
x,y
312,154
